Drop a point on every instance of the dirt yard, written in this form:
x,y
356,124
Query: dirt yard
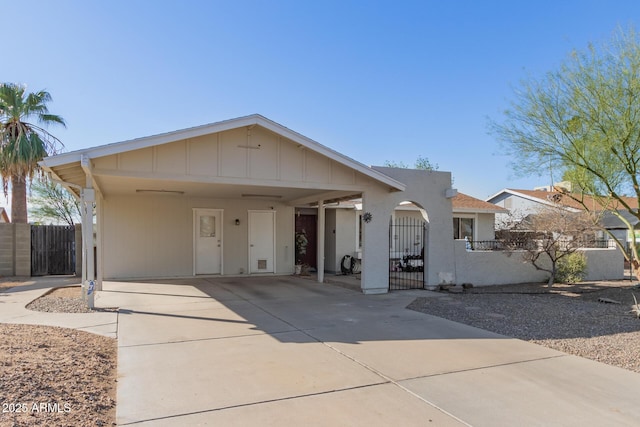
x,y
53,376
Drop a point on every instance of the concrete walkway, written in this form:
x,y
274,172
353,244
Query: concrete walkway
x,y
288,351
14,300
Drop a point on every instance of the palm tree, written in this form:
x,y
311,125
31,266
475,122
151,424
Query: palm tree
x,y
22,143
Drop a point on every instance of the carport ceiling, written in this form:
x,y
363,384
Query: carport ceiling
x,y
114,185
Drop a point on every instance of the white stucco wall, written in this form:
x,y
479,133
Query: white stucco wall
x,y
486,226
604,264
340,237
427,189
330,241
484,268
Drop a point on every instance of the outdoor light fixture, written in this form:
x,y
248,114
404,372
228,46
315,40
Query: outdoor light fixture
x,y
237,221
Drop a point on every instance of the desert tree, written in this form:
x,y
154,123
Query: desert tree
x,y
552,235
422,163
50,202
582,122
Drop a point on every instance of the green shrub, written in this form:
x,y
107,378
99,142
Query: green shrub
x,y
572,268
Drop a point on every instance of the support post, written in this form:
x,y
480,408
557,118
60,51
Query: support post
x,y
88,261
320,242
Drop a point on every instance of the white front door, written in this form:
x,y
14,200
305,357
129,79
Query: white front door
x,y
207,230
262,227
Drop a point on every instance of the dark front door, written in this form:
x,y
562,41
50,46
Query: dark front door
x,y
308,224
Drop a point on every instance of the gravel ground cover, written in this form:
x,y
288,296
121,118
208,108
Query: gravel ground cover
x,y
52,376
568,318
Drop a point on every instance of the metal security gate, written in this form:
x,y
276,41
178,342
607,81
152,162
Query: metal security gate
x,y
406,253
53,250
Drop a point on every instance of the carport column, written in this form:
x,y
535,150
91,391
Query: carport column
x,y
375,241
320,242
88,271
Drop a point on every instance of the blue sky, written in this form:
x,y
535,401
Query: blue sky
x,y
373,80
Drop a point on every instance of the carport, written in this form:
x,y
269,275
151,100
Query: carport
x,y
220,199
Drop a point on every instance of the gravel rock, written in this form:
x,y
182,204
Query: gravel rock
x,y
568,318
61,300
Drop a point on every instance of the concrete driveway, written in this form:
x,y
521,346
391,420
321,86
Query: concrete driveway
x,y
289,351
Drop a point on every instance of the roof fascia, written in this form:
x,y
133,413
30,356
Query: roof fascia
x,y
531,198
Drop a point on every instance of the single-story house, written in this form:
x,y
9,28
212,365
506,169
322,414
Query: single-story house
x,y
223,198
4,217
521,203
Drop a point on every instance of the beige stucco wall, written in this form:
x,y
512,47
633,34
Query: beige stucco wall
x,y
152,236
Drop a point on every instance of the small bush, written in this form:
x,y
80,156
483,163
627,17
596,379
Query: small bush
x,y
572,268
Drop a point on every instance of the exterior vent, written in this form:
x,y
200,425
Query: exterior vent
x,y
262,264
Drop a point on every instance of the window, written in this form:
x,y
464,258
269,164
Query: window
x,y
462,227
207,226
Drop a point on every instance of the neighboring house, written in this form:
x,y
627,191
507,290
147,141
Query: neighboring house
x,y
3,215
226,199
521,203
474,218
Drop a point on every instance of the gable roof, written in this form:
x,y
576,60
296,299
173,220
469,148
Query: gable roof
x,y
551,198
193,132
464,203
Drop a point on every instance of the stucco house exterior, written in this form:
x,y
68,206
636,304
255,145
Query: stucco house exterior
x,y
221,199
472,218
